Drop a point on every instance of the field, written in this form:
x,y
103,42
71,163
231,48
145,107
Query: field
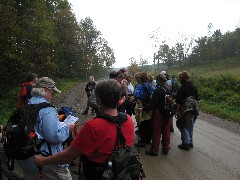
x,y
218,83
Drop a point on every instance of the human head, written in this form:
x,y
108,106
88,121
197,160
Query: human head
x,y
184,76
150,77
32,77
161,79
45,87
163,72
137,77
113,74
129,78
120,76
143,77
108,93
91,78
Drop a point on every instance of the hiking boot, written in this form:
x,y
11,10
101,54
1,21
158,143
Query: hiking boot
x,y
150,153
165,150
140,144
184,147
190,145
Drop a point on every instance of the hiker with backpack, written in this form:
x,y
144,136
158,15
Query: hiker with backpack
x,y
187,110
160,121
48,133
25,93
90,86
142,94
101,133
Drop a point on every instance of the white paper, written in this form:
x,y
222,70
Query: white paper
x,y
70,120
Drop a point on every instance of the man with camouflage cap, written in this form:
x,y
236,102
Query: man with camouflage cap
x,y
49,130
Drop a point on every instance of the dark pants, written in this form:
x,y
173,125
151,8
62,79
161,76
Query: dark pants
x,y
145,131
160,127
130,107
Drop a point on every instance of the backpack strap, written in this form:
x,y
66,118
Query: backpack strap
x,y
118,120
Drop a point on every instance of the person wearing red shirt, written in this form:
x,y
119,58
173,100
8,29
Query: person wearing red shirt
x,y
25,93
96,140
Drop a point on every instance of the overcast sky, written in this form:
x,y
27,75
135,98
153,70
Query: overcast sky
x,y
127,24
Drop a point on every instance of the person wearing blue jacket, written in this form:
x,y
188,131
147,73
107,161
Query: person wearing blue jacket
x,y
142,94
49,130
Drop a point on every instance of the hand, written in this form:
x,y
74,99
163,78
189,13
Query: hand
x,y
71,127
39,160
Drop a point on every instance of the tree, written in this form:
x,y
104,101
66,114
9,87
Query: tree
x,y
133,68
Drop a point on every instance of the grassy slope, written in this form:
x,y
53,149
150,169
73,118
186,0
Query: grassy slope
x,y
229,67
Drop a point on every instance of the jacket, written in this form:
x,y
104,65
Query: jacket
x,y
47,127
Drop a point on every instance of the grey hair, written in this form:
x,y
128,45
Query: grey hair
x,y
38,92
109,92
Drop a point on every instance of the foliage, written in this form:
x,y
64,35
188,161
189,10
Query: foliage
x,y
44,37
188,50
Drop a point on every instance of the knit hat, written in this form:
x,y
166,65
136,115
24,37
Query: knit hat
x,y
46,82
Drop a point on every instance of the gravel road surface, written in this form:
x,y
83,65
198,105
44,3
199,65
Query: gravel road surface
x,y
216,152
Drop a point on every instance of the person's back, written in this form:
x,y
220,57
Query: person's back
x,y
25,93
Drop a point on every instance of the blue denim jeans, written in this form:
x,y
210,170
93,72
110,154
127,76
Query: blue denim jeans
x,y
187,133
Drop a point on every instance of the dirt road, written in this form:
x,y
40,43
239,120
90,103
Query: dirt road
x,y
216,152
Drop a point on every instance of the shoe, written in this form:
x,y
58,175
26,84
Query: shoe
x,y
140,144
165,150
190,145
184,147
150,153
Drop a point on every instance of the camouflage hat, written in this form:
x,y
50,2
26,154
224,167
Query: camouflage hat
x,y
161,78
46,82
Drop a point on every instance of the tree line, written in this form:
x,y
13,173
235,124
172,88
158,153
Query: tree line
x,y
215,46
44,36
189,50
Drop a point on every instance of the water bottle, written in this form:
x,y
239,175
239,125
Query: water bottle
x,y
107,173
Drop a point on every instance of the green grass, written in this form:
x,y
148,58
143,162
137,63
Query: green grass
x,y
218,85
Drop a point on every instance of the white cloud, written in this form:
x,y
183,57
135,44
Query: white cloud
x,y
126,24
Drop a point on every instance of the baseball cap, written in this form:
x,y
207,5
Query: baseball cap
x,y
46,82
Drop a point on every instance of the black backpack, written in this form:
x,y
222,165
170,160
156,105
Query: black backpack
x,y
147,98
169,105
123,163
20,140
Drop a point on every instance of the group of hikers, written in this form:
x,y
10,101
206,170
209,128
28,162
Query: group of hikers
x,y
114,98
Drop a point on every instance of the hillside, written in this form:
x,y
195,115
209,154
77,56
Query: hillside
x,y
212,68
218,84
